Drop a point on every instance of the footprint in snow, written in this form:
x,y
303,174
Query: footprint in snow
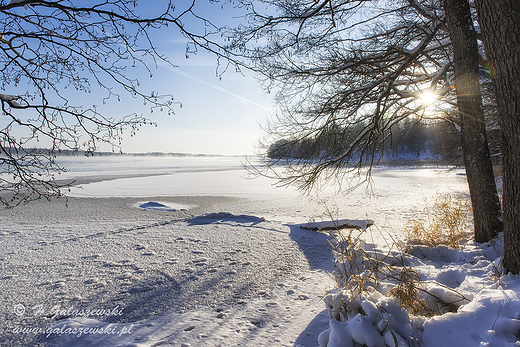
x,y
92,280
170,262
127,275
201,260
112,264
190,328
93,256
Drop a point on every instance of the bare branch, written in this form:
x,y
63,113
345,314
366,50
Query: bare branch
x,y
47,47
344,85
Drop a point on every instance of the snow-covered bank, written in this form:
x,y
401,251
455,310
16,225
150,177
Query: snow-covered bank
x,y
464,300
249,272
256,314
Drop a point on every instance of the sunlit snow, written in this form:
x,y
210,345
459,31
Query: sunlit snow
x,y
192,252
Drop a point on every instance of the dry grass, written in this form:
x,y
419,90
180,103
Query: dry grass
x,y
360,271
408,291
445,223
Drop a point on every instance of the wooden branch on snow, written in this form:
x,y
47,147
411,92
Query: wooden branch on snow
x,y
338,224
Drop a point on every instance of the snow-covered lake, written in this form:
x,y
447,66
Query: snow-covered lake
x,y
388,199
80,166
184,251
141,176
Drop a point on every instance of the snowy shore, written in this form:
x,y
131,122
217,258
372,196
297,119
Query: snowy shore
x,y
204,258
166,268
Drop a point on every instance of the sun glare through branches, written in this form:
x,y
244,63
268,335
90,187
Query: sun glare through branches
x,y
428,97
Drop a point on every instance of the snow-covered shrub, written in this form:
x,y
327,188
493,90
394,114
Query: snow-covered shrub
x,y
380,294
374,320
361,269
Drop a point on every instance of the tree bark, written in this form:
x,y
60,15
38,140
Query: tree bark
x,y
500,23
487,214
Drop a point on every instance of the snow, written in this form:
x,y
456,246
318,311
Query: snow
x,y
189,252
18,1
488,307
10,99
154,205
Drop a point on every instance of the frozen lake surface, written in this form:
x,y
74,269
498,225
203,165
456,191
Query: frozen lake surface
x,y
166,176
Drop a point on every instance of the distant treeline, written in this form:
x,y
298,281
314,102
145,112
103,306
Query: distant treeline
x,y
67,152
409,140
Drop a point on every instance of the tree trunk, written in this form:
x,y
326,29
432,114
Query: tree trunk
x,y
487,214
500,22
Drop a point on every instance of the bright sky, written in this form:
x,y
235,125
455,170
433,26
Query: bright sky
x,y
218,116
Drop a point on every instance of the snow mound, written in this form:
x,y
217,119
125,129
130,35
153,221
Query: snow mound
x,y
338,224
161,206
225,216
368,324
470,304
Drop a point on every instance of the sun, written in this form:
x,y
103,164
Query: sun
x,y
428,97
